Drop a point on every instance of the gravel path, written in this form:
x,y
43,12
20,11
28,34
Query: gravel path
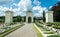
x,y
25,31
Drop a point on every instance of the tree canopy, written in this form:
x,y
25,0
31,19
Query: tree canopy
x,y
56,14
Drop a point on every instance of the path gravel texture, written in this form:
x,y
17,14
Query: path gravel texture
x,y
25,31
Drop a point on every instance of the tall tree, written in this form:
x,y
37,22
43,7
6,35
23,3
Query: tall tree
x,y
56,14
44,16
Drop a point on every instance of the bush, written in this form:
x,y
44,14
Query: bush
x,y
49,24
57,27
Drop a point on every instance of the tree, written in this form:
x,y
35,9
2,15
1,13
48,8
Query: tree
x,y
44,16
56,14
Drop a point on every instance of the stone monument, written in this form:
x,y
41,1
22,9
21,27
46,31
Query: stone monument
x,y
8,17
49,16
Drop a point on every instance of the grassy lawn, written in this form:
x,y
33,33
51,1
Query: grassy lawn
x,y
38,32
9,31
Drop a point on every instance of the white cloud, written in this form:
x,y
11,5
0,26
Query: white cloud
x,y
36,2
25,5
15,10
3,8
2,2
2,13
50,7
6,0
39,9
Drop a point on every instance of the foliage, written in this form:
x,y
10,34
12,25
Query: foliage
x,y
17,19
56,14
49,24
2,18
57,27
44,16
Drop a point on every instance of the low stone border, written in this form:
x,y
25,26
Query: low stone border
x,y
40,31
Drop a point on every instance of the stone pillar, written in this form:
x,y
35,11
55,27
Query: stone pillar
x,y
32,19
49,16
26,19
8,17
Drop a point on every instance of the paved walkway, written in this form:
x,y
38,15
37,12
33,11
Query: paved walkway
x,y
25,31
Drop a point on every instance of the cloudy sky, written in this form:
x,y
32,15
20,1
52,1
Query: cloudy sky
x,y
19,7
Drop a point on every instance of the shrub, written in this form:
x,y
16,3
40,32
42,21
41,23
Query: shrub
x,y
49,24
57,27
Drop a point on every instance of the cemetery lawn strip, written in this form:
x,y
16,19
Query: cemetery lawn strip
x,y
48,32
54,36
38,32
9,31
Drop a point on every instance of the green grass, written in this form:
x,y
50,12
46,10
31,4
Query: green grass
x,y
54,36
9,31
48,32
45,29
38,33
